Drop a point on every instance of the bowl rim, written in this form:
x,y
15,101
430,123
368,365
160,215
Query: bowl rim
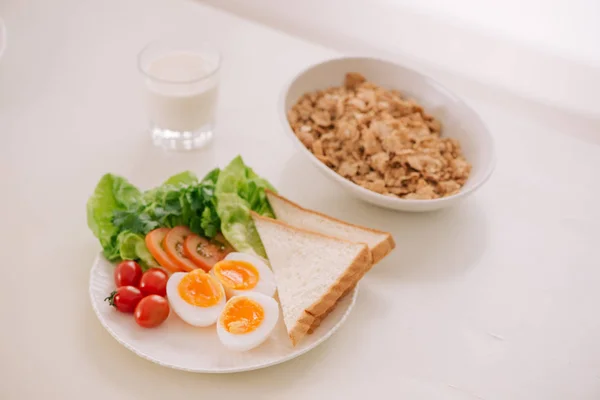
x,y
488,170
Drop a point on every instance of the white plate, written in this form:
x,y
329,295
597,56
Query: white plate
x,y
177,345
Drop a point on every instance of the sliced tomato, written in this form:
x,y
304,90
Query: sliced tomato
x,y
205,253
154,242
173,246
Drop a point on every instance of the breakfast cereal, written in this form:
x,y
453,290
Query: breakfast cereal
x,y
379,140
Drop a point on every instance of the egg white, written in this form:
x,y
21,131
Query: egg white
x,y
250,340
266,280
193,315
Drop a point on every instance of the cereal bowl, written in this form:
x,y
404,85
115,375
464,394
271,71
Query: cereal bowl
x,y
458,121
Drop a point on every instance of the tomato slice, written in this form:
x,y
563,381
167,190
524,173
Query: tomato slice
x,y
205,253
173,245
154,242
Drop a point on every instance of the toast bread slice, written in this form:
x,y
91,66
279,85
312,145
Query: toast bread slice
x,y
312,270
380,243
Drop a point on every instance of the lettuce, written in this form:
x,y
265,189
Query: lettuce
x,y
120,215
238,191
186,178
132,246
181,200
180,180
112,194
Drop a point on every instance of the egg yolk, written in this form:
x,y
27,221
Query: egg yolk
x,y
199,289
238,275
242,315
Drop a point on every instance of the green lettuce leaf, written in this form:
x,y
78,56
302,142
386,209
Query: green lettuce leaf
x,y
212,177
182,179
112,193
180,200
186,178
120,215
238,191
132,246
210,222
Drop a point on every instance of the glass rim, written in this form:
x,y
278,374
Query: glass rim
x,y
205,76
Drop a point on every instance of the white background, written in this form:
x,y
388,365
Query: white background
x,y
495,299
545,50
564,27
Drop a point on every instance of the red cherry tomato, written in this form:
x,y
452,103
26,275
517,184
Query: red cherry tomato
x,y
154,281
125,298
128,273
151,311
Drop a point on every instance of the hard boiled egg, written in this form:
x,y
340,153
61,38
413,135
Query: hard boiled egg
x,y
196,297
247,321
241,273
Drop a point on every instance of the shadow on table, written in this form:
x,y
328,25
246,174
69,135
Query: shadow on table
x,y
134,377
429,246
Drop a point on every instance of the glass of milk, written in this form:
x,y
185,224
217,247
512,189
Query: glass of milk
x,y
181,85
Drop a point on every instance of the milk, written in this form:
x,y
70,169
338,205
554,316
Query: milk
x,y
182,93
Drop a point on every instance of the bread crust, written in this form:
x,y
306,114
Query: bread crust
x,y
316,312
300,329
379,251
345,282
383,249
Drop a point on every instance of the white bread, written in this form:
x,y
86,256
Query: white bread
x,y
312,271
380,243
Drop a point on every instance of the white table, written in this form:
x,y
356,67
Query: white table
x,y
494,299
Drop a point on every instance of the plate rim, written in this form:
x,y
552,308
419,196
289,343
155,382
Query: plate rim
x,y
154,360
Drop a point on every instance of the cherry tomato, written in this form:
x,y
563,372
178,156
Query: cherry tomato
x,y
203,252
173,245
128,273
154,281
125,298
154,242
152,311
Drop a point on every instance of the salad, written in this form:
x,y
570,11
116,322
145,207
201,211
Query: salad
x,y
190,245
183,224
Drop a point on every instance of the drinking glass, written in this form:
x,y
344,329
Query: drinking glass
x,y
181,88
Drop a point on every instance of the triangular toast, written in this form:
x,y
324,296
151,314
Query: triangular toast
x,y
312,271
380,243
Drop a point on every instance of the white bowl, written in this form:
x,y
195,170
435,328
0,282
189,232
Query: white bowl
x,y
458,121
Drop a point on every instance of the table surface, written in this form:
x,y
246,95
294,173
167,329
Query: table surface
x,y
493,299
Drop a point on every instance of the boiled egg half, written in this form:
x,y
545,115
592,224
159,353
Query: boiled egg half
x,y
196,297
242,273
247,321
